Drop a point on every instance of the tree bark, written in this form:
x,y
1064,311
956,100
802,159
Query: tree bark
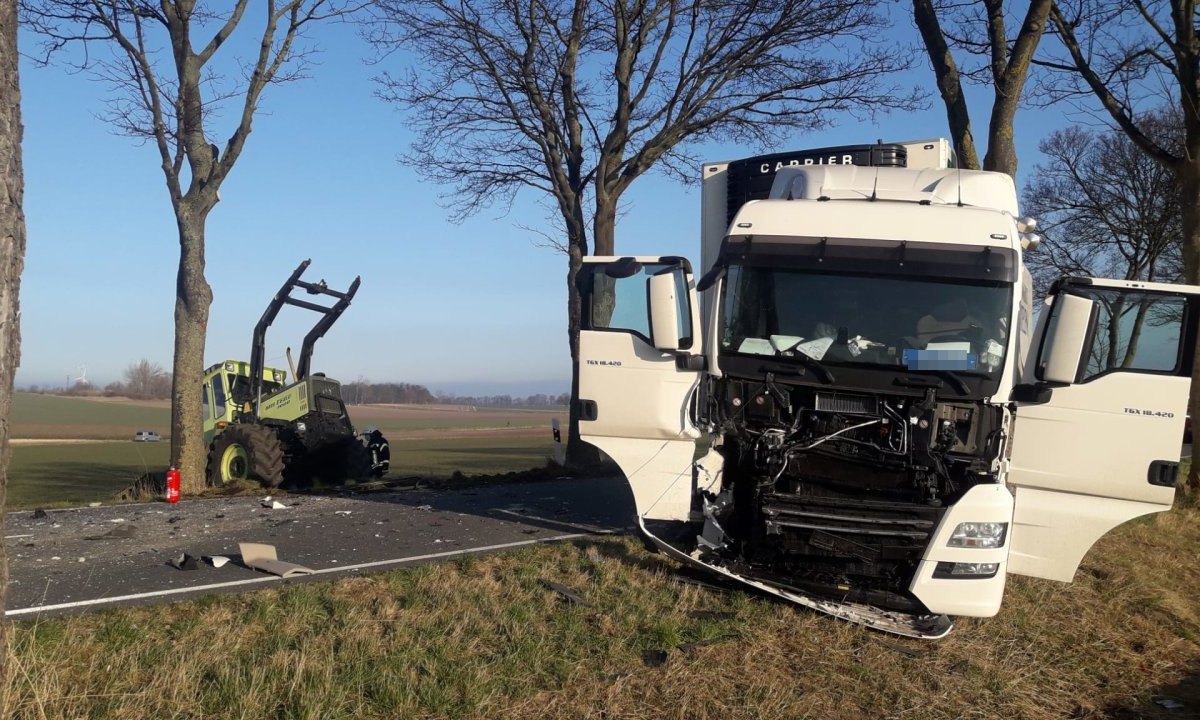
x,y
193,296
1189,199
12,260
949,84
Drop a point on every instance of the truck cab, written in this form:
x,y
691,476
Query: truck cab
x,y
884,430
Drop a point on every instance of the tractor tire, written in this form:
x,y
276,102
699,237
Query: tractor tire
x,y
379,452
245,452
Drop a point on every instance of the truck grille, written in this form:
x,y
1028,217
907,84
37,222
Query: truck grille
x,y
864,531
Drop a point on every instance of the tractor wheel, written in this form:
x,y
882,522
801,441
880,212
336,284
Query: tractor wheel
x,y
245,452
380,454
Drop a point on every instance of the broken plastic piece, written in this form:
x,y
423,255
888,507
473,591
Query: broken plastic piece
x,y
39,514
564,592
654,658
185,562
217,560
262,557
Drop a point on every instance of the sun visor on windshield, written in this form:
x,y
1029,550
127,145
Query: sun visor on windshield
x,y
885,257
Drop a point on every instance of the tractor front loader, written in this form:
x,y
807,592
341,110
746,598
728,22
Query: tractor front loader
x,y
259,426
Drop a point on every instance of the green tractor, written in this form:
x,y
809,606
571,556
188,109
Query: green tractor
x,y
258,426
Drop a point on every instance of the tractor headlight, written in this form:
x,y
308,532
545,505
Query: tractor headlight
x,y
978,535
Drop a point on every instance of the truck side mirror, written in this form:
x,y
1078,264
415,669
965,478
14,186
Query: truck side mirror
x,y
1068,331
664,310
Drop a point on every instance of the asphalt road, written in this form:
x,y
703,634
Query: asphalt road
x,y
85,558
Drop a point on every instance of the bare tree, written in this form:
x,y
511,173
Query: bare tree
x,y
1106,208
1130,58
144,379
978,28
576,99
12,259
158,55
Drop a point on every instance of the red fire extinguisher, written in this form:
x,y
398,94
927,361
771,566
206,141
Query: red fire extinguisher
x,y
172,485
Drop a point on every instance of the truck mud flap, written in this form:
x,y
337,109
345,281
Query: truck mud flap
x,y
924,627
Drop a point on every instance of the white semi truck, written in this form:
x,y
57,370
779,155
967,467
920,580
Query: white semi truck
x,y
863,419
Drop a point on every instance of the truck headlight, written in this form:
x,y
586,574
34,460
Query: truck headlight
x,y
956,571
979,535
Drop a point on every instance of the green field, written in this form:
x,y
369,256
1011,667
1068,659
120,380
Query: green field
x,y
75,474
51,416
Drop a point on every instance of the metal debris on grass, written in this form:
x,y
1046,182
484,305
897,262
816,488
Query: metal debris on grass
x,y
654,658
564,592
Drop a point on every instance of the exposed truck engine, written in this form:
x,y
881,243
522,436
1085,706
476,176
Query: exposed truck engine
x,y
883,431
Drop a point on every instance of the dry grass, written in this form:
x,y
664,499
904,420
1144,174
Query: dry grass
x,y
481,638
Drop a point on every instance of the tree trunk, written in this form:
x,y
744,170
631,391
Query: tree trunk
x,y
193,296
1189,201
604,224
949,84
12,260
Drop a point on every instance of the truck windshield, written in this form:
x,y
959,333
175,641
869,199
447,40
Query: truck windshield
x,y
911,323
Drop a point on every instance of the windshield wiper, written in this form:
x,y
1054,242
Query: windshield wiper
x,y
927,382
812,363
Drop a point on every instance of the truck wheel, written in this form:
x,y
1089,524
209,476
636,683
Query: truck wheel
x,y
244,452
381,454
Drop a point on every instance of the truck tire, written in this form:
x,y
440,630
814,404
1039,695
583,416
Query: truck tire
x,y
245,452
380,454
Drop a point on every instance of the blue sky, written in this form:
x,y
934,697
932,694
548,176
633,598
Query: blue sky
x,y
477,307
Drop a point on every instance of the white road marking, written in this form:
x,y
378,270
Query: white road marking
x,y
251,581
577,526
14,537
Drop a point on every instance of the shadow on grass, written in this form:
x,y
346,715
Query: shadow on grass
x,y
1170,701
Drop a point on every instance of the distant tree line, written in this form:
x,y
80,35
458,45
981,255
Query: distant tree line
x,y
538,400
362,392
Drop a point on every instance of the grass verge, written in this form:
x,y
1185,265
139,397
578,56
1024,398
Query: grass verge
x,y
483,638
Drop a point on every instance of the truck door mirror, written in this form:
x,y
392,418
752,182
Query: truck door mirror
x,y
1066,336
665,311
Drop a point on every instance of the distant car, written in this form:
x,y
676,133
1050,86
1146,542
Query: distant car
x,y
146,436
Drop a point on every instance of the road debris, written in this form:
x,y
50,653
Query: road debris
x,y
654,658
341,512
185,562
564,592
94,504
262,557
40,514
1169,703
120,532
217,560
424,507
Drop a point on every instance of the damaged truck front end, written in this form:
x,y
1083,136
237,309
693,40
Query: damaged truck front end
x,y
863,417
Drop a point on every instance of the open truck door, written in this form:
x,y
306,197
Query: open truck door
x,y
638,361
1097,435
